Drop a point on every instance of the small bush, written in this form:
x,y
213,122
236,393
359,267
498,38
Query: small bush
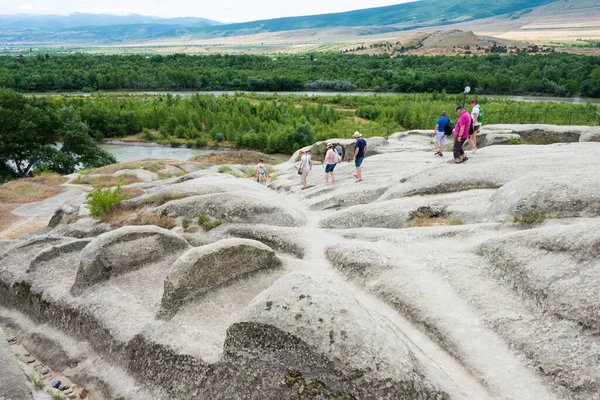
x,y
39,385
102,202
200,142
202,218
185,223
535,217
211,224
225,169
219,137
514,141
207,222
175,143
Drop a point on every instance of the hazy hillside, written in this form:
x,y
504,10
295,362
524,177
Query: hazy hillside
x,y
416,14
23,22
112,29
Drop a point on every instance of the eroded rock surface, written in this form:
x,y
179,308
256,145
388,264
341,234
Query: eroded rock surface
x,y
124,250
203,268
427,280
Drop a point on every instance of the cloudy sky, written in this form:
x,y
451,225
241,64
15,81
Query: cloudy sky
x,y
219,10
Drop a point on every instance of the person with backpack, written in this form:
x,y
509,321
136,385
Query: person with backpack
x,y
461,134
477,118
340,150
331,159
305,167
442,129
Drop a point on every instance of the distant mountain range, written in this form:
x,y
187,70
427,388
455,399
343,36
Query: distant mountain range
x,y
90,29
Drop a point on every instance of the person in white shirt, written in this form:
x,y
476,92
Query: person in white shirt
x,y
305,167
475,111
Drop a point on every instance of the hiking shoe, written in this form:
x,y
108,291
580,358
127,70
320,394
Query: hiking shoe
x,y
465,159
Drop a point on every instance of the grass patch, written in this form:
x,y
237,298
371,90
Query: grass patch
x,y
132,193
148,165
56,395
547,139
49,178
39,384
424,221
243,157
208,222
185,223
514,141
106,181
127,216
535,217
28,190
225,169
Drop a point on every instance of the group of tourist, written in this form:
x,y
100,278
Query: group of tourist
x,y
334,156
466,129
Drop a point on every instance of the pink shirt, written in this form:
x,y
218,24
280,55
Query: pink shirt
x,y
330,157
464,120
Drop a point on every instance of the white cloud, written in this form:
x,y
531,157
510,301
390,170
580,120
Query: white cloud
x,y
25,7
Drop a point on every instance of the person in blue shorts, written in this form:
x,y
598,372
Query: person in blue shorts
x,y
439,140
360,149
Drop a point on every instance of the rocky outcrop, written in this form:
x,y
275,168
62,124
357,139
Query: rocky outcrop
x,y
321,332
204,268
234,207
12,378
427,280
124,250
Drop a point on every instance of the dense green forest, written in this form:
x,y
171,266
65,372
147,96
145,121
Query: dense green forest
x,y
554,74
276,123
30,126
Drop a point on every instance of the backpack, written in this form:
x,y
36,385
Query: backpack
x,y
336,157
449,128
481,116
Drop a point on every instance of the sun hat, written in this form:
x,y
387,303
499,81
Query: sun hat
x,y
329,145
357,134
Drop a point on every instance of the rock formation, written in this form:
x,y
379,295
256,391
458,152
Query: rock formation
x,y
428,280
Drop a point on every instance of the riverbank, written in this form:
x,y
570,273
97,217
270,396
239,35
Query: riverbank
x,y
218,93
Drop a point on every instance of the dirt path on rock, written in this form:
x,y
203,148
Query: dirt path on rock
x,y
36,215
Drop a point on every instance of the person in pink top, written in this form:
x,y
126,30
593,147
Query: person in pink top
x,y
331,160
461,134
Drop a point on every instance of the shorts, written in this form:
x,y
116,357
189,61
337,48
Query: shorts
x,y
304,174
440,137
358,161
329,168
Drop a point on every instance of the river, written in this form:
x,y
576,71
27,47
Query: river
x,y
217,93
139,151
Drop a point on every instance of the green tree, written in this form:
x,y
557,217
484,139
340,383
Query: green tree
x,y
30,129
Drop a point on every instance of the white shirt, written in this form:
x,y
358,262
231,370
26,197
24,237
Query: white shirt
x,y
477,111
306,159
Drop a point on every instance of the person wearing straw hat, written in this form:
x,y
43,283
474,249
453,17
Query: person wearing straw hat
x,y
360,149
331,160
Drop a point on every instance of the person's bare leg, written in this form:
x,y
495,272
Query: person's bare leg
x,y
332,177
358,174
474,144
